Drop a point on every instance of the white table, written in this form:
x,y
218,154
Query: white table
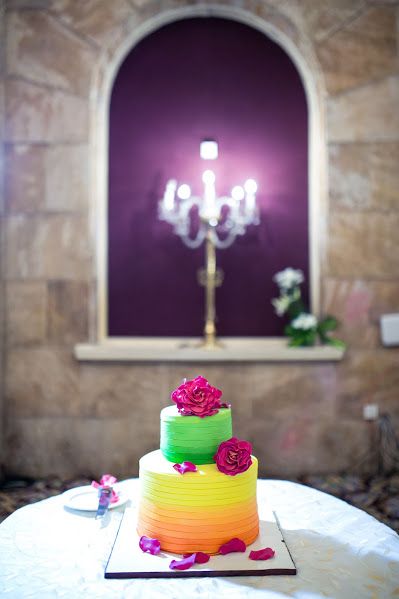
x,y
341,552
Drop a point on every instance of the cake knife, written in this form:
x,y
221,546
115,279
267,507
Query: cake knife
x,y
105,494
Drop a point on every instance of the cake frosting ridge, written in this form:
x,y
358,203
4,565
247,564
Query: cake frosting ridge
x,y
191,438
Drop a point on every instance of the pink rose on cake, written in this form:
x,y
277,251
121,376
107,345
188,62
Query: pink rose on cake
x,y
233,456
197,398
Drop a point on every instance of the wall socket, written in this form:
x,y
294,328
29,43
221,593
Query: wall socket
x,y
370,411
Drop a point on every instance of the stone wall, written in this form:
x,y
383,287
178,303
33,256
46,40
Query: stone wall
x,y
72,418
2,313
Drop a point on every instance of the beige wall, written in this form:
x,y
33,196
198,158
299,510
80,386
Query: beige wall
x,y
300,417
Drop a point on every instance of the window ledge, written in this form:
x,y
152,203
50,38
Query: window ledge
x,y
174,349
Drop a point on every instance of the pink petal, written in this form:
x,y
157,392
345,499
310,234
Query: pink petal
x,y
200,557
232,546
114,496
185,467
183,564
225,405
107,480
148,545
262,554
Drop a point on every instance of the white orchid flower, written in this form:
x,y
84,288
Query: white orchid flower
x,y
288,278
281,304
304,322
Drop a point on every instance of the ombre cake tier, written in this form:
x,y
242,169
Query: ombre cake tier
x,y
191,438
196,511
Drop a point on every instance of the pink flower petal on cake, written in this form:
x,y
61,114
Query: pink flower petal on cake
x,y
148,545
235,545
200,557
183,564
185,467
225,405
262,554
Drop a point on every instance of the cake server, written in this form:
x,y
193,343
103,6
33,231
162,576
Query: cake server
x,y
104,499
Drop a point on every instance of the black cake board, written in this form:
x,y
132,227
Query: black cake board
x,y
128,561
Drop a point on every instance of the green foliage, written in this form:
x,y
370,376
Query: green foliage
x,y
329,323
302,338
335,342
296,308
299,337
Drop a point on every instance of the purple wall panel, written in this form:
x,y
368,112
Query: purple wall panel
x,y
190,80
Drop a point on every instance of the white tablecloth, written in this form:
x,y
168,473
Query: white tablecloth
x,y
340,551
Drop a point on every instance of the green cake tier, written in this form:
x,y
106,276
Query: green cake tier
x,y
191,438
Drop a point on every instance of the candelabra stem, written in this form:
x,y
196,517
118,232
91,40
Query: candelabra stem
x,y
210,310
210,278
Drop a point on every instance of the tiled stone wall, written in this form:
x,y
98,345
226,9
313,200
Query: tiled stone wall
x,y
301,417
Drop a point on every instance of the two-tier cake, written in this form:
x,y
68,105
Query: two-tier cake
x,y
199,510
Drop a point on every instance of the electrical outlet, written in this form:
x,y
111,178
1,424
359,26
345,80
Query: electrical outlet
x,y
370,411
389,324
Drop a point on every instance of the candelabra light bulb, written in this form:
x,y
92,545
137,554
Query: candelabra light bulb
x,y
208,149
184,191
208,176
237,193
250,186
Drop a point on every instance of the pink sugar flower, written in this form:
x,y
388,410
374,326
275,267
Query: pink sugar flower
x,y
197,398
233,456
107,480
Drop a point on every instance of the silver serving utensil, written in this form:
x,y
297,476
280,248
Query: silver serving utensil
x,y
104,499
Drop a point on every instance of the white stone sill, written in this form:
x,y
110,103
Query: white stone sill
x,y
174,349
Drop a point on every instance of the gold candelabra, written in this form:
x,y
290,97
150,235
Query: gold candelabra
x,y
241,211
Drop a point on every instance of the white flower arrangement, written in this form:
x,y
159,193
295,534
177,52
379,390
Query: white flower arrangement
x,y
304,329
288,278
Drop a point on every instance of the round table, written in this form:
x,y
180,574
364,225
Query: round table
x,y
340,551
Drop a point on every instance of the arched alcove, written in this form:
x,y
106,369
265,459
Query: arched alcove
x,y
101,346
189,80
